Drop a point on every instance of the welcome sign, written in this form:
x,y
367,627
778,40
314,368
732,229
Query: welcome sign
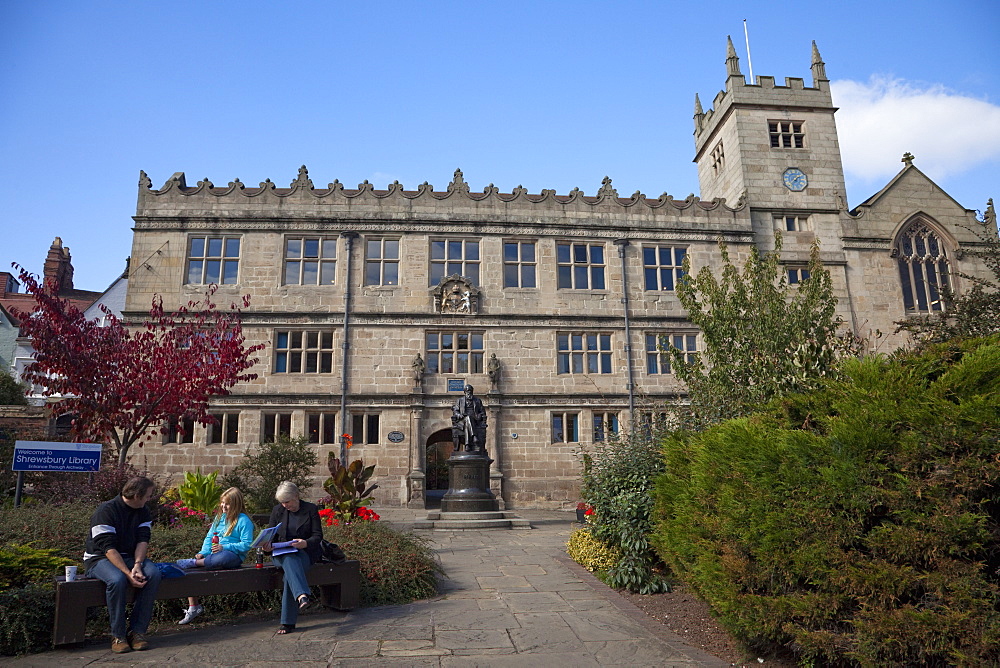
x,y
53,456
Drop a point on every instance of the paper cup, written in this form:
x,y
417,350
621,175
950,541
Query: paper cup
x,y
70,573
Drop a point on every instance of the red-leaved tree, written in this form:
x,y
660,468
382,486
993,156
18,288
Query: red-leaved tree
x,y
123,386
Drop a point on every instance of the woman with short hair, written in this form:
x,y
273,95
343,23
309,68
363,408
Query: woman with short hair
x,y
301,527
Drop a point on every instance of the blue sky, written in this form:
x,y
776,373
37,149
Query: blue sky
x,y
540,94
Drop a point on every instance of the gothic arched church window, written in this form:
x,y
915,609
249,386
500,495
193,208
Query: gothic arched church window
x,y
923,268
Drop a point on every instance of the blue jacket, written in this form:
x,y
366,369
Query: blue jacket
x,y
237,542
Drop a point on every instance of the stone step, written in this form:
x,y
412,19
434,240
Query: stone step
x,y
437,520
486,515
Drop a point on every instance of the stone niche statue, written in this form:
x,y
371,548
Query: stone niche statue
x,y
468,422
419,367
493,370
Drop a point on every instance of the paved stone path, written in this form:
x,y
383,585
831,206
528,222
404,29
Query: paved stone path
x,y
510,598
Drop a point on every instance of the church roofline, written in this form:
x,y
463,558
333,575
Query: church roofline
x,y
908,167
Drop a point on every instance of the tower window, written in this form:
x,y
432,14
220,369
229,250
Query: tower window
x,y
791,223
797,274
923,268
786,134
718,158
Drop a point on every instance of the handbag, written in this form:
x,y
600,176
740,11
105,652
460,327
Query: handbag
x,y
331,553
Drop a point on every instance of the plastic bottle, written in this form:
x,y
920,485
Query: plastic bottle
x,y
260,559
215,538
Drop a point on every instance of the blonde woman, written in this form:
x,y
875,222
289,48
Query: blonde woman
x,y
234,529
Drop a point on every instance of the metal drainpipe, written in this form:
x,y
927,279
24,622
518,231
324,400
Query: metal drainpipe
x,y
345,346
622,244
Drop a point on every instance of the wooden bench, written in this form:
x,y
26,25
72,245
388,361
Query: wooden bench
x,y
339,585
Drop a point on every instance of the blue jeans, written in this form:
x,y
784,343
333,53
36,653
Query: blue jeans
x,y
117,590
294,566
222,560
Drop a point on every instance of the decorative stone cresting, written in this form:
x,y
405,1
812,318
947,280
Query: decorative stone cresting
x,y
302,186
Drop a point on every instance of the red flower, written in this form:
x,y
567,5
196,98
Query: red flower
x,y
365,513
590,511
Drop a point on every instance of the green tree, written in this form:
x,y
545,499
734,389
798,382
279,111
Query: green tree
x,y
975,312
12,393
270,463
761,337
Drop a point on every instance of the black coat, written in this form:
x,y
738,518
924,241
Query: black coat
x,y
303,523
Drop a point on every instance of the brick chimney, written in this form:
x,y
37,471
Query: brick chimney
x,y
58,267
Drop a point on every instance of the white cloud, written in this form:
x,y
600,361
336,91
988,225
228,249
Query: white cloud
x,y
947,132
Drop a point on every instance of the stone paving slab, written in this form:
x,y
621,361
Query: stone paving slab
x,y
510,597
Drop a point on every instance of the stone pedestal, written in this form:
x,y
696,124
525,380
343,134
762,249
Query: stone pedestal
x,y
469,484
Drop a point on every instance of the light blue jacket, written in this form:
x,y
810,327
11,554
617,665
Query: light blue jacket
x,y
237,542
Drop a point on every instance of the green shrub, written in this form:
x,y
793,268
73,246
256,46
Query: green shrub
x,y
60,528
263,467
396,567
200,492
856,524
22,564
591,553
12,391
27,615
618,480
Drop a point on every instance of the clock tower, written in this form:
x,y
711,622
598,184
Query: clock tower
x,y
776,146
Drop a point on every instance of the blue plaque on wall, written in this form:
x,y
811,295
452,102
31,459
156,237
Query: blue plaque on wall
x,y
396,436
456,385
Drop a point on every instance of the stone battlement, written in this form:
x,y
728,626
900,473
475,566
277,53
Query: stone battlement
x,y
237,197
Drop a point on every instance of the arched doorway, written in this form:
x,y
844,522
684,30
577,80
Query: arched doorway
x,y
438,449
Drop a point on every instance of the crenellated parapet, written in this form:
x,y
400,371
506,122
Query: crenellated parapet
x,y
762,93
302,199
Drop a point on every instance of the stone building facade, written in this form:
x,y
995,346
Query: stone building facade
x,y
377,306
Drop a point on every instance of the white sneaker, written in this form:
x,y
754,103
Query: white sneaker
x,y
191,613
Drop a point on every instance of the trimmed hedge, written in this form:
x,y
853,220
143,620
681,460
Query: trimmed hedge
x,y
858,524
396,567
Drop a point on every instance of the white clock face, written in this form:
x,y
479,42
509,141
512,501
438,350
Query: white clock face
x,y
795,180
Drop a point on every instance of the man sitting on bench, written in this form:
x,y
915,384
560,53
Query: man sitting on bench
x,y
116,553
